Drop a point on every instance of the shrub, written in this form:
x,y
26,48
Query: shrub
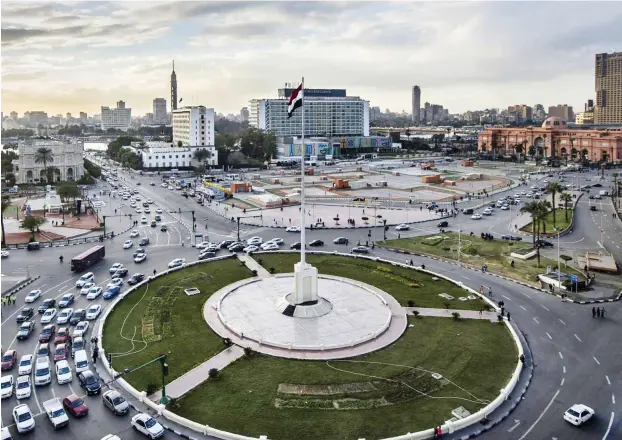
x,y
242,263
227,342
456,315
151,389
411,303
565,257
254,272
213,373
272,270
416,313
446,249
446,304
260,261
248,352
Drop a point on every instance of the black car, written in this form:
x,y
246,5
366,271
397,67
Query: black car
x,y
442,224
163,228
237,247
315,243
511,237
358,199
597,185
25,314
543,243
592,208
136,278
77,316
225,244
206,255
120,273
467,211
295,245
47,304
340,240
143,241
90,382
360,250
25,330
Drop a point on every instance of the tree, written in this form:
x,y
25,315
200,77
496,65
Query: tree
x,y
6,202
573,153
553,188
68,191
616,191
44,155
566,198
32,223
532,151
584,154
201,154
531,208
519,150
10,179
180,144
118,143
605,157
8,156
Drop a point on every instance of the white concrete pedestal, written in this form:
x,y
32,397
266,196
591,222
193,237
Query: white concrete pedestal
x,y
305,284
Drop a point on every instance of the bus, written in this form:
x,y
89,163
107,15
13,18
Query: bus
x,y
88,258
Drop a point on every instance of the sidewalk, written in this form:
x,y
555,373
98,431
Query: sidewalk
x,y
200,374
446,313
252,264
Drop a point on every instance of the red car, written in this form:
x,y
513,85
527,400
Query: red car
x,y
9,359
75,405
47,333
62,335
60,353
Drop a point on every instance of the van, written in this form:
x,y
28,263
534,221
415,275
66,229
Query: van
x,y
467,211
604,193
81,360
33,246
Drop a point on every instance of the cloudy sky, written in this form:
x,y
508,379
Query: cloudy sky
x,y
78,56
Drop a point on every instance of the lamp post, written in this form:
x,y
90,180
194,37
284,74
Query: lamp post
x,y
559,267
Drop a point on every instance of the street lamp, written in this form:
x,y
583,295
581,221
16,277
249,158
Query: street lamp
x,y
559,267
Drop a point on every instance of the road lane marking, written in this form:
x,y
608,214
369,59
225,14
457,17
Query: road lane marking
x,y
610,425
561,321
528,296
560,355
509,299
562,383
538,322
516,423
542,415
613,399
545,308
523,308
578,338
564,369
547,333
596,360
608,381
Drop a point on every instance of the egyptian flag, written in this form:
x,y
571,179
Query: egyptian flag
x,y
295,101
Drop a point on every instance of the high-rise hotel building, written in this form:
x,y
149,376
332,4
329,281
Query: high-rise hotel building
x,y
608,85
119,118
328,113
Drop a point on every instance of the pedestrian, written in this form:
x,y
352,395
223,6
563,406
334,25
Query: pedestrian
x,y
551,288
602,312
3,301
522,358
481,290
508,316
597,312
411,262
593,312
480,312
14,300
490,291
154,272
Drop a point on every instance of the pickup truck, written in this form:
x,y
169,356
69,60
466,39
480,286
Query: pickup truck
x,y
56,413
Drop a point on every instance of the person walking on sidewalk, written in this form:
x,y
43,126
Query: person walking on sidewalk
x,y
490,291
593,312
597,312
14,299
602,312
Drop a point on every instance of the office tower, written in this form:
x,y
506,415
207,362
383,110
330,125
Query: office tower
x,y
159,111
173,89
416,104
608,84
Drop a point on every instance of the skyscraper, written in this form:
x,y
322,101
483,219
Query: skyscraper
x,y
608,84
173,89
416,104
159,111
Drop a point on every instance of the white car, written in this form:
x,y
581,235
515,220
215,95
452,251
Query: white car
x,y
505,207
292,229
251,248
147,425
23,387
93,312
86,278
177,262
277,240
164,185
140,258
128,244
25,364
269,247
151,202
402,227
5,254
114,283
64,315
143,220
63,372
82,327
115,267
32,296
86,288
43,376
476,217
94,293
23,418
204,244
158,211
487,211
254,241
147,210
134,233
48,316
578,414
6,386
139,210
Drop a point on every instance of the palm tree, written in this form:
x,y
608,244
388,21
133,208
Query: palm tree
x,y
6,202
615,189
605,156
566,198
44,155
531,208
519,149
553,189
573,153
584,154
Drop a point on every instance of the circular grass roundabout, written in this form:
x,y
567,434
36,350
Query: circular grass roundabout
x,y
437,365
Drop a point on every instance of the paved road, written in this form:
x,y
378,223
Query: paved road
x,y
576,357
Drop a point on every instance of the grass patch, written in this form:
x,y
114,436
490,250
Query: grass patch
x,y
169,321
476,355
560,222
402,283
10,211
475,251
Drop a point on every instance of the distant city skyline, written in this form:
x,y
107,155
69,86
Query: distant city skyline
x,y
78,57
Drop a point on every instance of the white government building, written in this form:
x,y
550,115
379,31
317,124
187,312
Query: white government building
x,y
119,118
68,161
328,113
193,128
165,155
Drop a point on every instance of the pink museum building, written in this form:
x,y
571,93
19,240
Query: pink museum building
x,y
554,138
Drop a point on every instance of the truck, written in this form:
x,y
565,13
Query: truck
x,y
88,258
56,413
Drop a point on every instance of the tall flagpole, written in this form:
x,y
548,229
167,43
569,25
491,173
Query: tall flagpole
x,y
302,180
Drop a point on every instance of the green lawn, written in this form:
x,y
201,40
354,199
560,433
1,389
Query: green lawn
x,y
478,356
475,251
10,211
560,222
170,321
402,283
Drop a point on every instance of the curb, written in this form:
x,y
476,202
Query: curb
x,y
522,283
22,285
